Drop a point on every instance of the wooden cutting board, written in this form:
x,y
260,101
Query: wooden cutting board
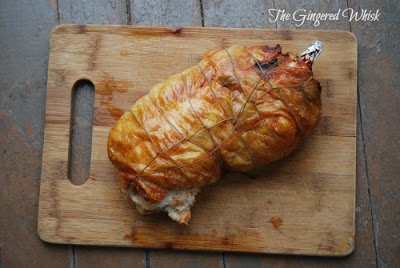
x,y
301,205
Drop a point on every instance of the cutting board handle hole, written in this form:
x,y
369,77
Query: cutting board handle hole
x,y
80,135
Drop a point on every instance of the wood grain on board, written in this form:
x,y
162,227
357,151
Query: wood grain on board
x,y
297,206
99,12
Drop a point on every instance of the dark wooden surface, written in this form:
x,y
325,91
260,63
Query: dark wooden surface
x,y
25,26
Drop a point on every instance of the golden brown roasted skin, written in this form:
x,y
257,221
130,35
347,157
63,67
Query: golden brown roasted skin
x,y
239,108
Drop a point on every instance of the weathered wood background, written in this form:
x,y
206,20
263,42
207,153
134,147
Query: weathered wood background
x,y
25,26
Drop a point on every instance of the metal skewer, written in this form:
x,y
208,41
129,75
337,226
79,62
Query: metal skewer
x,y
312,51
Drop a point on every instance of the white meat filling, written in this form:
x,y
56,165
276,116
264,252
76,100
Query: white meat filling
x,y
176,203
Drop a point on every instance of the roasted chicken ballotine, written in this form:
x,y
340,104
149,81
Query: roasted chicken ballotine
x,y
239,108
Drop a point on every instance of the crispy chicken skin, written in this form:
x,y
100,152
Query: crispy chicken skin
x,y
239,108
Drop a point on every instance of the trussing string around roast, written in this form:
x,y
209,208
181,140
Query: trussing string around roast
x,y
281,95
141,173
291,111
249,96
212,90
171,147
258,110
151,139
197,161
235,122
204,125
238,118
177,130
